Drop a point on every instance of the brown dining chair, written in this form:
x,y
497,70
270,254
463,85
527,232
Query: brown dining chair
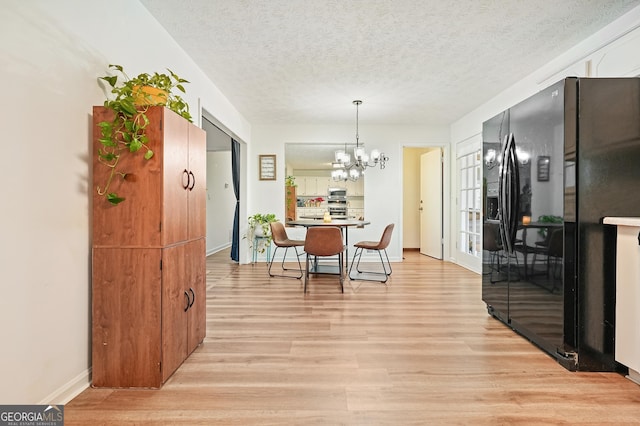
x,y
378,246
282,240
492,243
555,254
324,241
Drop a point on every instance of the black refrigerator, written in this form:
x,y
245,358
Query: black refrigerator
x,y
554,166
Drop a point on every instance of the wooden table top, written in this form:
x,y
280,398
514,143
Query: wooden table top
x,y
334,222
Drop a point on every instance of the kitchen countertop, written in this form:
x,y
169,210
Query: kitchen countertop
x,y
624,221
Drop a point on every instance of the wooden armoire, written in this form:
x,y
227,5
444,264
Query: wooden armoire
x,y
148,256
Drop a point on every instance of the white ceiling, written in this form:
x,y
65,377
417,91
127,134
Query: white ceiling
x,y
410,61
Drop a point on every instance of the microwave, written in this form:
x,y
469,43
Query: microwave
x,y
337,192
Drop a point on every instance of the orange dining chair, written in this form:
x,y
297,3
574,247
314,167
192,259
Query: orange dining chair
x,y
324,241
282,240
378,246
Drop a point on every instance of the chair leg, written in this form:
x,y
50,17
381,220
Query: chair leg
x,y
283,268
388,263
494,259
306,274
385,273
353,261
341,267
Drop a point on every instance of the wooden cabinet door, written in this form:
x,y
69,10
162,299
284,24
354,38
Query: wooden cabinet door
x,y
176,178
137,220
175,304
126,317
196,273
183,303
197,190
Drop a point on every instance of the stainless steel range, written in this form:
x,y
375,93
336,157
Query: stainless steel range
x,y
337,202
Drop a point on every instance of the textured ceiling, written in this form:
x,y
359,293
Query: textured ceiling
x,y
410,61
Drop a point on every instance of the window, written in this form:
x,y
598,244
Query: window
x,y
469,203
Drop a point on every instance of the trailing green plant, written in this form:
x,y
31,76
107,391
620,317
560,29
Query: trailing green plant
x,y
290,181
125,133
262,222
548,219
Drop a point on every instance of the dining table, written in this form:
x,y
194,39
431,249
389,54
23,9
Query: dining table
x,y
343,224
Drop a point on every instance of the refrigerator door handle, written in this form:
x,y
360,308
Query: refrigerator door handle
x,y
514,192
510,189
502,192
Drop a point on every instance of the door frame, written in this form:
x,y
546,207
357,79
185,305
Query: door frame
x,y
447,196
464,147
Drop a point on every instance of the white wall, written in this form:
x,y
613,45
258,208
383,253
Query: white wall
x,y
383,189
51,53
221,201
611,52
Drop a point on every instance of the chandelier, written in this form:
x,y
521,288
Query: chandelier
x,y
347,170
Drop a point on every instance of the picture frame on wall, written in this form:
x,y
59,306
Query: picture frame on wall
x,y
267,167
544,163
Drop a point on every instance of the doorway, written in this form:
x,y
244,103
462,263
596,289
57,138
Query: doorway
x,y
412,230
221,197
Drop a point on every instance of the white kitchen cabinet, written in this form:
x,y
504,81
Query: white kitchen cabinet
x,y
627,335
313,186
304,185
323,185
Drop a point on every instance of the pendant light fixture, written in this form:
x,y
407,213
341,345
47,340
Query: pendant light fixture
x,y
345,169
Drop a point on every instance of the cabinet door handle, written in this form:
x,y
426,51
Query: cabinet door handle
x,y
185,173
189,302
192,178
639,238
193,299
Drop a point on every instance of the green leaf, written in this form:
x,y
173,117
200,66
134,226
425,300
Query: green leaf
x,y
105,124
112,80
135,145
181,88
128,125
113,198
148,154
107,156
128,106
107,142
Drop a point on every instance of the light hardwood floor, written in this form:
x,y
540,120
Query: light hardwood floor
x,y
421,351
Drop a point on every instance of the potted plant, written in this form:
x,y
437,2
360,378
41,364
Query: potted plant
x,y
290,181
259,227
125,133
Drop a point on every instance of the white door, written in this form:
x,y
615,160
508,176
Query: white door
x,y
431,204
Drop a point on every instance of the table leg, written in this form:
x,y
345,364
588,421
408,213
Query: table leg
x,y
346,250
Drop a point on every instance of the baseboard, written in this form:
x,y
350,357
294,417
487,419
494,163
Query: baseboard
x,y
69,390
217,249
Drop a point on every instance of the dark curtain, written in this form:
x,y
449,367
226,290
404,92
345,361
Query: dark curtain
x,y
235,169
